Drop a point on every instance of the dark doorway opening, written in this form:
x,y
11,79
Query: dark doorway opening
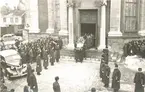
x,y
89,29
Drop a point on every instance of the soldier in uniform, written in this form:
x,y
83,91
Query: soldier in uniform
x,y
60,42
56,86
106,75
38,64
139,81
52,57
116,79
57,52
102,64
45,59
29,71
33,82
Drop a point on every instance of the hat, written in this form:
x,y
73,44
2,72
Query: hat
x,y
139,69
93,90
56,78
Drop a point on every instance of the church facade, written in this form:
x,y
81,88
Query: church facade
x,y
112,22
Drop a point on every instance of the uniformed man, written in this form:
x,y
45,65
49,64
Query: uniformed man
x,y
52,57
56,86
33,82
102,64
45,59
29,71
38,64
106,75
139,81
116,79
57,52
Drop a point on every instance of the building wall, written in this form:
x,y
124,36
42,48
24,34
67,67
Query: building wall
x,y
117,43
43,15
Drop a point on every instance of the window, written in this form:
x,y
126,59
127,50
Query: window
x,y
130,15
16,20
11,19
4,20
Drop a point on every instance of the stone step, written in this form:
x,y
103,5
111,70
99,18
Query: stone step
x,y
89,53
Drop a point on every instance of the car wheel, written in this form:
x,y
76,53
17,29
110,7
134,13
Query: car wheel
x,y
8,75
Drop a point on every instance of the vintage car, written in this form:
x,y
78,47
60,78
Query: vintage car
x,y
11,64
11,37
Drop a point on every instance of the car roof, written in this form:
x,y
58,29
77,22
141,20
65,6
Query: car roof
x,y
6,53
8,35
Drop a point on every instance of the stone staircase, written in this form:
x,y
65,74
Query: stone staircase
x,y
92,53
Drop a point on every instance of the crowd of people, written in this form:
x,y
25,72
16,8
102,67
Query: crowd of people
x,y
46,49
134,47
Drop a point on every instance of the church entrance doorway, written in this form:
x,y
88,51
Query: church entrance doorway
x,y
89,30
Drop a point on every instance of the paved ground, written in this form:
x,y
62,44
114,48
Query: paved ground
x,y
75,77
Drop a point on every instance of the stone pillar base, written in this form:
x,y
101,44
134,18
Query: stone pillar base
x,y
63,32
34,30
101,47
70,46
50,31
114,33
142,32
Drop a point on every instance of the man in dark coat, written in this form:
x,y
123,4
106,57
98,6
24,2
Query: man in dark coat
x,y
106,75
139,81
33,82
45,59
52,57
38,64
57,52
60,42
56,86
116,79
29,71
102,65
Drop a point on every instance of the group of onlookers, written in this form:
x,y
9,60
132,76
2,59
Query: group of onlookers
x,y
139,78
134,47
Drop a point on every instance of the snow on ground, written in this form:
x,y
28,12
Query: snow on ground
x,y
135,62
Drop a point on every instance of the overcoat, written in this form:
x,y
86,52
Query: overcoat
x,y
106,74
33,83
56,87
116,79
45,58
139,81
38,64
29,71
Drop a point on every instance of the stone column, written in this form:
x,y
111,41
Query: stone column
x,y
142,21
103,26
33,16
71,28
115,18
50,17
63,17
